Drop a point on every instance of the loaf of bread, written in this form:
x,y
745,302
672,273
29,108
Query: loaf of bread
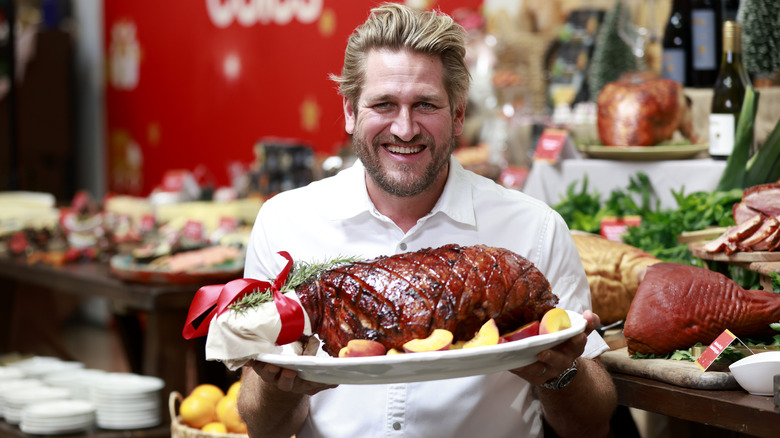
x,y
614,270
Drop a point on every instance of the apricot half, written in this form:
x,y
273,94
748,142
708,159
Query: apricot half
x,y
487,335
526,331
554,320
438,340
362,348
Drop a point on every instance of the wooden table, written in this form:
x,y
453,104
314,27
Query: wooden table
x,y
732,410
158,349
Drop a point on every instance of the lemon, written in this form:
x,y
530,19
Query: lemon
x,y
215,427
227,414
197,411
234,388
209,392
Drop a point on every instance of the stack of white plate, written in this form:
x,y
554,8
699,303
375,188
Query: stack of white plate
x,y
127,401
40,366
10,373
58,417
77,380
16,401
13,386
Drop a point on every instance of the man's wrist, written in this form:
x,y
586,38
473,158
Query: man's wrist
x,y
562,380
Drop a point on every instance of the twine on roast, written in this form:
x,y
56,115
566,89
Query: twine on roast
x,y
211,301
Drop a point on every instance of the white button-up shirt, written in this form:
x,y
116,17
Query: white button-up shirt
x,y
335,217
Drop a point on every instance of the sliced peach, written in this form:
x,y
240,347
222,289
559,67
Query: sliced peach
x,y
487,335
526,331
554,320
393,351
438,340
362,348
457,345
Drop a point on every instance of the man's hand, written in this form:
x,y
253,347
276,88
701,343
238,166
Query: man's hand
x,y
287,380
553,362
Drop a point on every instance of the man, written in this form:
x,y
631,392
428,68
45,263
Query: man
x,y
404,84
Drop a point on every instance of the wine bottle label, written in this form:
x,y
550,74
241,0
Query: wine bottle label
x,y
704,54
673,65
722,127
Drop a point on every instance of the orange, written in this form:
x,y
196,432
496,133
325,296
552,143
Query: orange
x,y
209,392
197,411
234,388
227,413
215,427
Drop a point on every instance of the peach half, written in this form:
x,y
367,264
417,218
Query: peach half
x,y
554,320
487,335
438,340
362,348
526,331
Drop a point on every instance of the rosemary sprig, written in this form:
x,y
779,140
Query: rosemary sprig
x,y
300,272
252,299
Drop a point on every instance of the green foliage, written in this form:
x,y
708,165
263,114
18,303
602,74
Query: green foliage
x,y
660,228
612,56
760,35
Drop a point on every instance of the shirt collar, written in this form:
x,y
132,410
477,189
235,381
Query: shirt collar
x,y
455,201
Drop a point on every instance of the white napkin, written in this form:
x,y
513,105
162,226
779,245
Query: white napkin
x,y
235,338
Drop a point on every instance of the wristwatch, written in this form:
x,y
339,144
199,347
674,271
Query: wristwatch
x,y
563,379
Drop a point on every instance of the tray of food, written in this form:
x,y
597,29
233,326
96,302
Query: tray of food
x,y
217,263
425,365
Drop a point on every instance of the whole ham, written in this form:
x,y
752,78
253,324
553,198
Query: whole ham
x,y
677,305
640,109
398,298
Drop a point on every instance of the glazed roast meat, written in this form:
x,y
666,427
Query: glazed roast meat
x,y
678,305
398,298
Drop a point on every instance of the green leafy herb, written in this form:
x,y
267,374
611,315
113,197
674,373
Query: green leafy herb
x,y
300,272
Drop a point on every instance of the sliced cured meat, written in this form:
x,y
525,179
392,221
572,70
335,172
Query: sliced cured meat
x,y
764,198
771,243
767,228
742,212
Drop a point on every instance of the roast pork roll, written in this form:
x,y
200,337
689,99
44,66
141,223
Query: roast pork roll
x,y
678,305
613,270
398,298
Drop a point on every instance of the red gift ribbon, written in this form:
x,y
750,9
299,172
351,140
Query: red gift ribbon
x,y
211,301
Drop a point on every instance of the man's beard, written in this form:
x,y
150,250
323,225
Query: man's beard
x,y
407,185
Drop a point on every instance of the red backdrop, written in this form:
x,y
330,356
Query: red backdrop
x,y
193,84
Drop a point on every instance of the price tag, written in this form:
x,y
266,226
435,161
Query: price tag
x,y
193,230
716,348
612,228
550,145
147,223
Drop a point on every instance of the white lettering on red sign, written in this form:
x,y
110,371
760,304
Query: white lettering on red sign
x,y
250,12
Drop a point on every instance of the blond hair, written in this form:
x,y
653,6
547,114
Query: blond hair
x,y
398,27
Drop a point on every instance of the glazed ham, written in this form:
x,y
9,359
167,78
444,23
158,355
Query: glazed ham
x,y
678,305
406,296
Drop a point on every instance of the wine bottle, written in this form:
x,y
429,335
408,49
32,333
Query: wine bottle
x,y
729,9
728,92
705,42
676,52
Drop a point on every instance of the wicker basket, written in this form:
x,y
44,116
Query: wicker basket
x,y
181,430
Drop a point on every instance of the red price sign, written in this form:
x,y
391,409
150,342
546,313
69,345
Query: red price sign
x,y
550,145
715,349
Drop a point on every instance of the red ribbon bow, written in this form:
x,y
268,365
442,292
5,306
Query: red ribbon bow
x,y
211,301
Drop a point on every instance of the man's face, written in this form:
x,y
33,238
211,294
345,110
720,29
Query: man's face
x,y
402,126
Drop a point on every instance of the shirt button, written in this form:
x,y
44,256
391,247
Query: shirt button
x,y
397,426
403,248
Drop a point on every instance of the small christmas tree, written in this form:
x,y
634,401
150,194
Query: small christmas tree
x,y
760,21
612,56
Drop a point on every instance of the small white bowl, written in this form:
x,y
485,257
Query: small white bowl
x,y
756,372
